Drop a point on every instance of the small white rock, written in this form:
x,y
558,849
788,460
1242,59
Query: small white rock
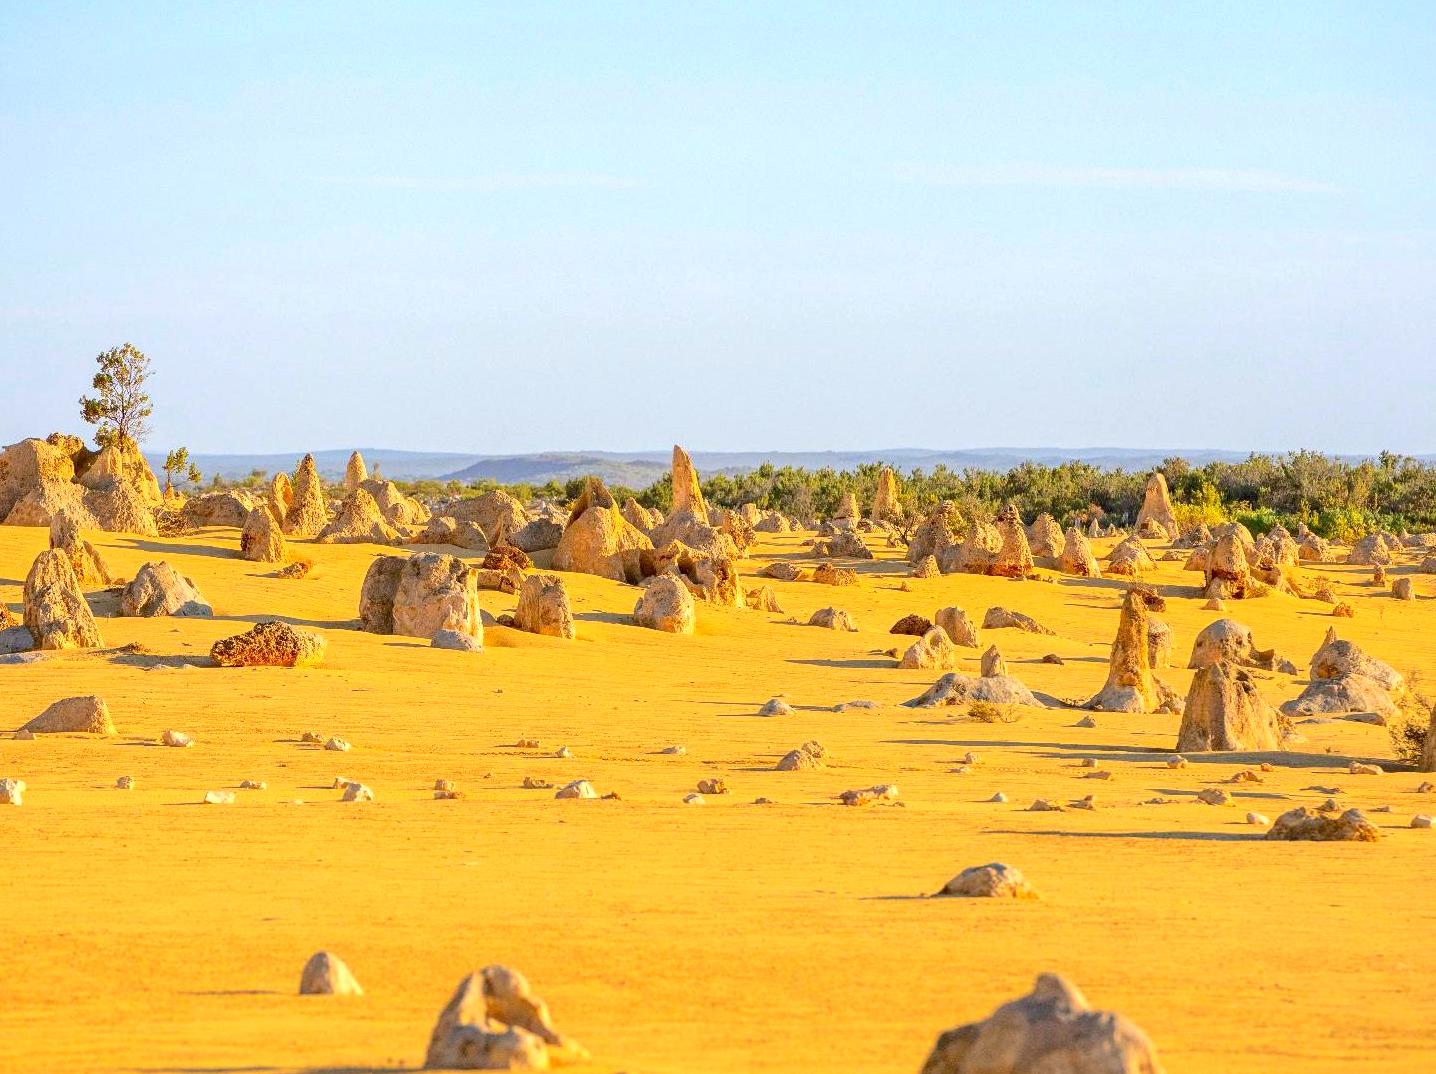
x,y
219,798
177,739
12,791
357,792
998,797
1421,820
1257,818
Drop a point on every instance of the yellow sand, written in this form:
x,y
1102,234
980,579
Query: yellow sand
x,y
142,931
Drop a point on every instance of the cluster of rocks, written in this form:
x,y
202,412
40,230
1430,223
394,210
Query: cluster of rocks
x,y
1344,679
112,489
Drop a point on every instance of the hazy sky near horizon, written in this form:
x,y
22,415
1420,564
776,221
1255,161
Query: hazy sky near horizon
x,y
504,228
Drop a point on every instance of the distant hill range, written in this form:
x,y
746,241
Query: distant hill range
x,y
638,469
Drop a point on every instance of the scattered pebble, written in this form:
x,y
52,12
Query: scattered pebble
x,y
1356,768
775,706
356,792
125,783
527,744
563,753
1177,762
219,798
177,739
1257,818
533,783
1042,805
674,751
1086,721
338,745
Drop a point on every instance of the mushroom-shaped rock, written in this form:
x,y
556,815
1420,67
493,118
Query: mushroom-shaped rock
x,y
56,613
1131,686
75,715
1228,640
543,607
325,974
995,881
1225,711
495,1022
159,589
272,644
666,605
1052,1030
261,539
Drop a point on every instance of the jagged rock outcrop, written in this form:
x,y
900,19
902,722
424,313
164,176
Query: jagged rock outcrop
x,y
159,589
640,517
1052,1030
1131,686
543,607
999,549
599,540
308,513
44,503
1077,558
1157,520
122,463
1345,679
667,605
689,522
396,508
119,507
28,467
935,534
56,613
496,513
229,508
355,472
495,1022
271,644
762,599
90,567
417,596
261,540
1226,712
359,520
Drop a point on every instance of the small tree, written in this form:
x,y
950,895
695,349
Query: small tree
x,y
120,407
177,462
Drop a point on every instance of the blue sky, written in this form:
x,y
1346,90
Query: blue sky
x,y
505,228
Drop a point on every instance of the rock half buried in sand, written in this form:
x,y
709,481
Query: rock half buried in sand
x,y
808,755
326,975
1051,1030
666,605
833,619
159,589
493,1021
1001,618
579,788
882,792
1304,822
272,644
75,715
990,881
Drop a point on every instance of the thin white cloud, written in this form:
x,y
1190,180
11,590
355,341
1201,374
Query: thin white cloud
x,y
485,184
1210,179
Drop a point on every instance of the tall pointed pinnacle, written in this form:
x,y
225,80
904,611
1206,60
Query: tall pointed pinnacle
x,y
686,491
